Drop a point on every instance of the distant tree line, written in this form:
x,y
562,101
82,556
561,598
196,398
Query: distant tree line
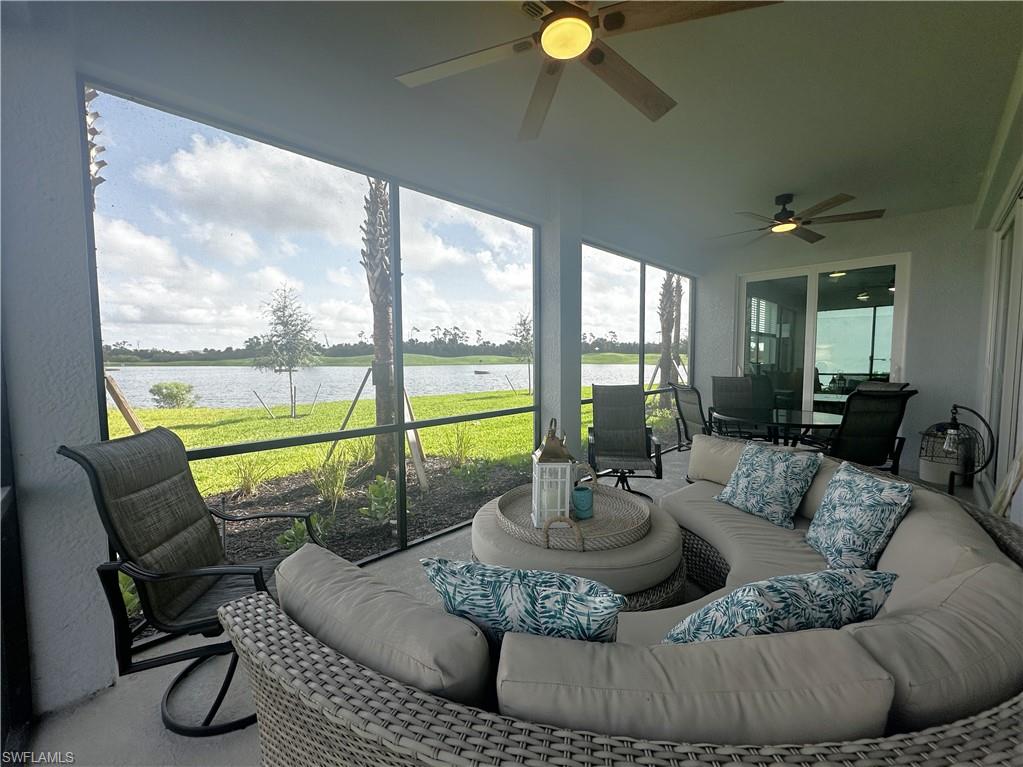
x,y
442,342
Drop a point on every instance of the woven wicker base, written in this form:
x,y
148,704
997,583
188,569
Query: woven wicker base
x,y
667,593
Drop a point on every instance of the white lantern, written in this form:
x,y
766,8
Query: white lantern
x,y
552,481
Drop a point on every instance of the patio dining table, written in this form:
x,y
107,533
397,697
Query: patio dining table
x,y
780,423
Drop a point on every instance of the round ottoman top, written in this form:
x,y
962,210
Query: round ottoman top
x,y
619,519
626,569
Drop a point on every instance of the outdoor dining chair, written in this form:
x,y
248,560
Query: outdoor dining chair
x,y
620,443
869,431
164,537
691,418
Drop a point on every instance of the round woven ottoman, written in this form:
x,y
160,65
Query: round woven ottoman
x,y
650,572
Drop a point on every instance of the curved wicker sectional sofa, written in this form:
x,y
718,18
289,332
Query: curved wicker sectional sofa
x,y
318,707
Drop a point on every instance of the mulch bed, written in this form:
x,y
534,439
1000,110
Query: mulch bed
x,y
451,499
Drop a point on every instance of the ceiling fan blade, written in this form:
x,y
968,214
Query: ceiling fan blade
x,y
634,15
757,216
540,101
467,62
808,235
861,215
627,81
828,204
744,231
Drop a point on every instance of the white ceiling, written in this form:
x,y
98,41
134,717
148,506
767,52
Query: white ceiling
x,y
896,103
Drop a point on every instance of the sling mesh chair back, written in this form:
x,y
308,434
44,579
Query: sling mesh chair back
x,y
882,386
165,538
620,442
739,393
691,418
868,433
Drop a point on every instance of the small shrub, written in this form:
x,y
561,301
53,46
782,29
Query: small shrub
x,y
173,394
249,473
129,595
382,493
331,478
296,536
460,441
474,475
360,450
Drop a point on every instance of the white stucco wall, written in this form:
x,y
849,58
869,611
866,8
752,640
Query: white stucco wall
x,y
946,321
49,363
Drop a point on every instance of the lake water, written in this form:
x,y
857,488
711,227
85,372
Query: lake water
x,y
230,386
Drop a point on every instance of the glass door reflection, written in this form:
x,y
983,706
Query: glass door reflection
x,y
855,320
775,340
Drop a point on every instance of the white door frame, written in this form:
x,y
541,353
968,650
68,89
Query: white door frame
x,y
901,262
1011,370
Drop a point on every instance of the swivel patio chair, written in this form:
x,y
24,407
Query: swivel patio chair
x,y
620,442
743,394
869,431
164,537
691,419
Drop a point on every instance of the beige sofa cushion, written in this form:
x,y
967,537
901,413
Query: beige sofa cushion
x,y
815,493
753,547
713,459
382,627
953,650
803,687
935,539
647,627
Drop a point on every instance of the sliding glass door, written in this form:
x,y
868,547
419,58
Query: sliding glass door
x,y
816,333
775,335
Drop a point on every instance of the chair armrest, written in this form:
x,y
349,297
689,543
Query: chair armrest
x,y
137,573
303,515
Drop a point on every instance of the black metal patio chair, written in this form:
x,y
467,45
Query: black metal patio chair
x,y
691,418
620,443
164,537
869,431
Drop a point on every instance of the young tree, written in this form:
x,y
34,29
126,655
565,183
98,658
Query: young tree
x,y
289,342
522,335
376,260
669,313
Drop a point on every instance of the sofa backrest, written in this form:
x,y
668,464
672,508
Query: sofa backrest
x,y
379,626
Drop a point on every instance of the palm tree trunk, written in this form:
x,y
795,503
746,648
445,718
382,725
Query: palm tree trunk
x,y
376,260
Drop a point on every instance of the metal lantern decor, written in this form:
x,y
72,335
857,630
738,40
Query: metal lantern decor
x,y
553,473
952,449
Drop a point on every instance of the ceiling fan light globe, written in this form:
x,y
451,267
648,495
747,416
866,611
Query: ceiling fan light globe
x,y
566,37
784,226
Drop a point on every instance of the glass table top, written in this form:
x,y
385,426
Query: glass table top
x,y
781,417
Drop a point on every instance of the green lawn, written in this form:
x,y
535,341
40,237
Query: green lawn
x,y
503,439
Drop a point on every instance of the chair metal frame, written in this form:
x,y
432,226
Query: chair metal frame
x,y
653,451
126,646
681,424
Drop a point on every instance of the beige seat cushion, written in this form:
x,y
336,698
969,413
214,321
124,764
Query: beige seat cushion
x,y
935,539
382,627
954,650
647,627
815,493
753,547
627,570
803,687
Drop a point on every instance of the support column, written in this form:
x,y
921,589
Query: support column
x,y
559,327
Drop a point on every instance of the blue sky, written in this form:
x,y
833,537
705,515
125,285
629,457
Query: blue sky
x,y
195,227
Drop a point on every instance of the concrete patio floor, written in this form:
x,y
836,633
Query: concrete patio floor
x,y
121,725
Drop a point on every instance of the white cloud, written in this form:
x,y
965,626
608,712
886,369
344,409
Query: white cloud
x,y
287,248
122,247
231,244
270,278
247,184
513,277
342,276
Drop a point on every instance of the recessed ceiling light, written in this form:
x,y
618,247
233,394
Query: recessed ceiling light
x,y
864,296
784,226
567,36
836,275
891,289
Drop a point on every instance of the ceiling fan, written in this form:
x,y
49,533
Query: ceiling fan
x,y
787,222
577,30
